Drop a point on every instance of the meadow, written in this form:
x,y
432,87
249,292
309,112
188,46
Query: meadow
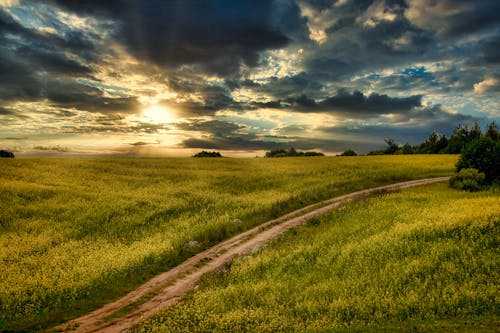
x,y
78,233
423,259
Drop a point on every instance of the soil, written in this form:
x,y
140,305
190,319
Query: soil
x,y
168,288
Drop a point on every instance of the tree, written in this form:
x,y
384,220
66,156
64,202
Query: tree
x,y
392,147
204,153
435,143
313,153
482,154
492,132
5,153
406,149
291,152
460,137
349,152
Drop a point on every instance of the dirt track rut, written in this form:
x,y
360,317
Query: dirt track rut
x,y
169,287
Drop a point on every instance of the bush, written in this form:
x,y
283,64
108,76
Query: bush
x,y
468,179
4,153
349,152
482,154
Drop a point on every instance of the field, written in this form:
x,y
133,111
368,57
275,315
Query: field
x,y
77,233
422,259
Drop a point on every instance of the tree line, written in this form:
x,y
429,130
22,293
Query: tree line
x,y
437,143
291,153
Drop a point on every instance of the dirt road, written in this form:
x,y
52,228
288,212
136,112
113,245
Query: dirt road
x,y
168,288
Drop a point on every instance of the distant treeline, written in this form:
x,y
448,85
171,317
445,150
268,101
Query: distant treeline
x,y
441,144
207,154
4,153
292,152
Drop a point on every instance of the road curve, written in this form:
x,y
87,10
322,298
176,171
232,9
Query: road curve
x,y
169,287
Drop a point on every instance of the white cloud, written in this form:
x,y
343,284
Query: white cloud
x,y
318,21
340,3
376,13
7,3
491,84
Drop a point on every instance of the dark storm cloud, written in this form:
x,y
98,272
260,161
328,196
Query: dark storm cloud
x,y
215,127
354,104
491,50
360,39
286,87
68,94
46,51
215,97
358,103
219,34
35,66
456,17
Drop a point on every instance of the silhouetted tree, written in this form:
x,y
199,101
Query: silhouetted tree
x,y
5,153
406,149
313,153
435,143
207,154
392,147
492,132
291,152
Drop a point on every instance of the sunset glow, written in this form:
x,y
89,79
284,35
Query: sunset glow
x,y
158,114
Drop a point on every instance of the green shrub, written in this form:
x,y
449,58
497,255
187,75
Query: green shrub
x,y
468,179
349,152
482,154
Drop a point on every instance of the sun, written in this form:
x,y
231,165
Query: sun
x,y
158,114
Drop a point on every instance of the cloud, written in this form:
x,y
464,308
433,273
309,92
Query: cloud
x,y
452,17
219,34
354,104
36,66
55,149
491,84
358,103
377,13
140,143
491,50
9,2
215,127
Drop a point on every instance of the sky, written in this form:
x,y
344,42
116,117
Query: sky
x,y
170,78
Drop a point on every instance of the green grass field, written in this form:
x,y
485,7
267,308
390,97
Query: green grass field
x,y
422,259
77,233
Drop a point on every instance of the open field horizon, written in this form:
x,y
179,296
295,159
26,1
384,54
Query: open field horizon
x,y
81,232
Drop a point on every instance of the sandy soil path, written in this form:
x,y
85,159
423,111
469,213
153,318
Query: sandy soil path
x,y
169,287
